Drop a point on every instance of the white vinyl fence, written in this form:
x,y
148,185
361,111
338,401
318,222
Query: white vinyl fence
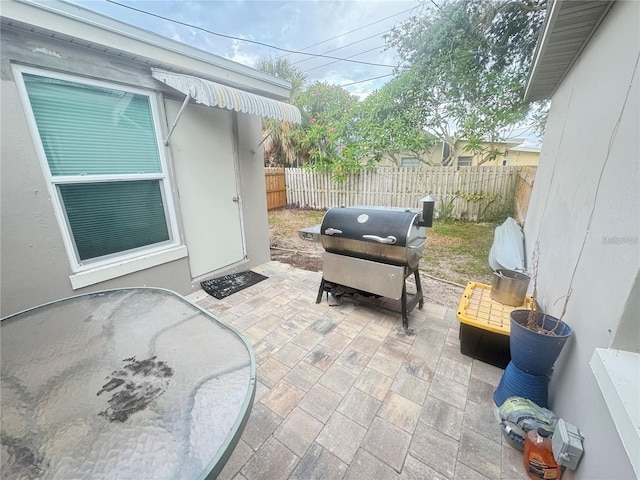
x,y
469,192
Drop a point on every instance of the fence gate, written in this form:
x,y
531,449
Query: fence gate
x,y
276,187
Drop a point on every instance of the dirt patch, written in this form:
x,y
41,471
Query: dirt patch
x,y
441,293
287,247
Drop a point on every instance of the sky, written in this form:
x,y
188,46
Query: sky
x,y
352,28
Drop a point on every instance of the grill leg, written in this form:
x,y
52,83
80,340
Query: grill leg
x,y
405,313
407,307
403,302
416,276
320,291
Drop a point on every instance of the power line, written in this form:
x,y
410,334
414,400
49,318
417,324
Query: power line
x,y
366,80
244,39
346,58
355,30
344,46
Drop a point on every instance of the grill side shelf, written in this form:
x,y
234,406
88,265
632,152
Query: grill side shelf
x,y
310,233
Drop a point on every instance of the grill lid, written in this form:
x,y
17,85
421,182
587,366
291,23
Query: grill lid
x,y
392,236
378,226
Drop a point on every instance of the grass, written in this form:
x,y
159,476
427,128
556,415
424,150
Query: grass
x,y
285,223
459,251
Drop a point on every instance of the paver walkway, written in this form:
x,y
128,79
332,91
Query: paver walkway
x,y
343,393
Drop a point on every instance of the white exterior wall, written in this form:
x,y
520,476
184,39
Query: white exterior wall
x,y
584,216
35,268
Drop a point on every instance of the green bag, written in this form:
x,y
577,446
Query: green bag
x,y
518,415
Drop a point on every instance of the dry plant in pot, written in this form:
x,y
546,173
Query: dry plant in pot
x,y
537,338
535,341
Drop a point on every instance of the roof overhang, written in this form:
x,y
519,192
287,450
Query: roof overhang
x,y
212,94
71,23
567,29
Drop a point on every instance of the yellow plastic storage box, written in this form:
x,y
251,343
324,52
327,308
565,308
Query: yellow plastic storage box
x,y
485,325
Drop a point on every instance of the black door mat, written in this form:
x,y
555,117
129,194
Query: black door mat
x,y
222,287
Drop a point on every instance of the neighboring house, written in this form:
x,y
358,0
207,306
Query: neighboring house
x,y
525,154
428,158
93,195
583,215
507,152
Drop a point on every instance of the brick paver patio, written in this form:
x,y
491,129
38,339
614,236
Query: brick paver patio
x,y
343,393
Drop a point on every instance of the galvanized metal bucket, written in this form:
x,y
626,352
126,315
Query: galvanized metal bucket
x,y
509,287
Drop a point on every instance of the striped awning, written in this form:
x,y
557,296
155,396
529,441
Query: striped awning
x,y
214,94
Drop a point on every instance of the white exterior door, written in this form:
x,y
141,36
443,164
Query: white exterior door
x,y
202,146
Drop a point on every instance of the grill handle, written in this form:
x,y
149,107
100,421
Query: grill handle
x,y
331,231
390,240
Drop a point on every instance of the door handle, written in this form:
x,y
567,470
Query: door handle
x,y
236,199
331,231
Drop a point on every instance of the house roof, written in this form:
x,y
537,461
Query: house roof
x,y
526,147
507,142
567,29
72,23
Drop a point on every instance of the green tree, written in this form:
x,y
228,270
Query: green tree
x,y
384,130
280,146
464,66
283,68
326,135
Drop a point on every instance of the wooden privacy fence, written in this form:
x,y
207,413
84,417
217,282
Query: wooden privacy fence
x,y
526,176
276,187
468,193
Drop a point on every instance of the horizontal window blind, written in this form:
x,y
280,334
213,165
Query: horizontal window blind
x,y
90,130
112,217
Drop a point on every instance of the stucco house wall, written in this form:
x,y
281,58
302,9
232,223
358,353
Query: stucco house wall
x,y
523,157
583,217
432,157
35,267
505,149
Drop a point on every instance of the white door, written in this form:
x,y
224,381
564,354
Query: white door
x,y
205,168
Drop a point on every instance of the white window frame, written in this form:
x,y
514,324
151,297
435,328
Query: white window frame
x,y
94,271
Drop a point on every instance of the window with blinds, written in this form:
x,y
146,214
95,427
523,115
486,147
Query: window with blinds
x,y
104,165
409,162
465,161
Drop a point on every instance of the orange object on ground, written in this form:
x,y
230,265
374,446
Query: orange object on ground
x,y
538,456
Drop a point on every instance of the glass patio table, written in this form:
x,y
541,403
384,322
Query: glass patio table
x,y
128,384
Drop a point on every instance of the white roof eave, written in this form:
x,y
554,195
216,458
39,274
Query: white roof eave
x,y
547,73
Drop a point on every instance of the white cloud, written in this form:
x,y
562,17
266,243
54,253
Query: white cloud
x,y
242,55
288,24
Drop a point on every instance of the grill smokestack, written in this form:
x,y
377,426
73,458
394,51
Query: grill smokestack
x,y
428,203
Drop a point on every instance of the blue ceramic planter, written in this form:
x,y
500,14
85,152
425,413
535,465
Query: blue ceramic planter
x,y
516,383
532,352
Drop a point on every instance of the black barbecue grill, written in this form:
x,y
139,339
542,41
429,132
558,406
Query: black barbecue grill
x,y
372,251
